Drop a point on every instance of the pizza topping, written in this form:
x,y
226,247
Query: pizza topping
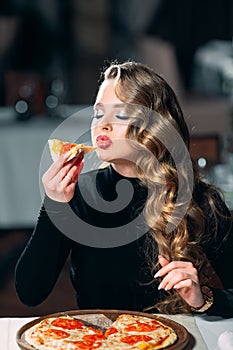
x,y
133,339
55,333
110,331
140,327
67,147
96,331
94,337
67,323
87,344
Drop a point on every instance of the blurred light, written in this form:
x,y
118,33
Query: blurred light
x,y
202,162
51,101
21,106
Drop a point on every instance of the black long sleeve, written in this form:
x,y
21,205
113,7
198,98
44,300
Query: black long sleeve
x,y
218,246
223,303
42,259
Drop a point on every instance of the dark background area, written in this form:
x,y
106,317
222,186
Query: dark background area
x,y
71,40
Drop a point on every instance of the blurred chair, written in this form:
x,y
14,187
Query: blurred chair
x,y
206,146
203,114
26,86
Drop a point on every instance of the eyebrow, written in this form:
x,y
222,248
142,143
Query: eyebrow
x,y
116,105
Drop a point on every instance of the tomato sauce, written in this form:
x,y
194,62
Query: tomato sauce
x,y
141,327
96,331
110,331
67,323
90,341
56,334
133,339
67,147
94,337
88,344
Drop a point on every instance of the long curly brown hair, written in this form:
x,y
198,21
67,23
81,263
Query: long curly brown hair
x,y
164,165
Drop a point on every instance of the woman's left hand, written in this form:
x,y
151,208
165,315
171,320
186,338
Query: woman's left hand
x,y
183,277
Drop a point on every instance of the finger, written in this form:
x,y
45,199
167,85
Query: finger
x,y
71,175
62,163
55,168
61,180
74,163
173,279
162,260
174,265
67,190
182,284
78,171
74,167
75,170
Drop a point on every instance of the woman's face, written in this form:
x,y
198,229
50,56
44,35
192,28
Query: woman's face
x,y
109,128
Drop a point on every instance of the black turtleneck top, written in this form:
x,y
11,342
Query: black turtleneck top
x,y
103,229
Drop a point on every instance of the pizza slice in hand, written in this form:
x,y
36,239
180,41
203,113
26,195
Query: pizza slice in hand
x,y
58,148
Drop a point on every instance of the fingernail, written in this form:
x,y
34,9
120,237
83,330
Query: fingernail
x,y
66,155
157,274
159,287
80,153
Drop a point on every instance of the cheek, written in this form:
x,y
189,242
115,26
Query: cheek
x,y
122,131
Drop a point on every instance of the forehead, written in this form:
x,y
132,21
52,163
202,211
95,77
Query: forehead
x,y
106,93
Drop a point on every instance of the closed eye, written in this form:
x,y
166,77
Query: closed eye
x,y
118,116
98,115
122,117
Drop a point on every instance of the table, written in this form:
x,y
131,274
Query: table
x,y
22,145
204,329
211,327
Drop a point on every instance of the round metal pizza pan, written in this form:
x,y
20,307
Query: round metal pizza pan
x,y
104,318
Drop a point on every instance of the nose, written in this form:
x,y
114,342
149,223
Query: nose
x,y
106,127
105,124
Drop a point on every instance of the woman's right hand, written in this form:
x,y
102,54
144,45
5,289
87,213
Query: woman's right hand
x,y
60,179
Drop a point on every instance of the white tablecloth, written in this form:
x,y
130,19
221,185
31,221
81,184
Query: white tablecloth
x,y
8,330
201,327
211,327
21,147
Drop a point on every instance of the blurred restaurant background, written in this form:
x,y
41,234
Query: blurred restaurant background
x,y
51,56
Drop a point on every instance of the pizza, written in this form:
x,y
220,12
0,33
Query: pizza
x,y
138,332
126,332
58,148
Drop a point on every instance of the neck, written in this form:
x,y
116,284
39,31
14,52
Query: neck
x,y
125,170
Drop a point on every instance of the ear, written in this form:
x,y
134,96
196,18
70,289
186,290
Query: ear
x,y
162,260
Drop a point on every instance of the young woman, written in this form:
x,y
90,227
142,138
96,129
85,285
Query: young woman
x,y
148,233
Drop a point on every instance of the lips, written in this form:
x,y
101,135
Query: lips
x,y
103,141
